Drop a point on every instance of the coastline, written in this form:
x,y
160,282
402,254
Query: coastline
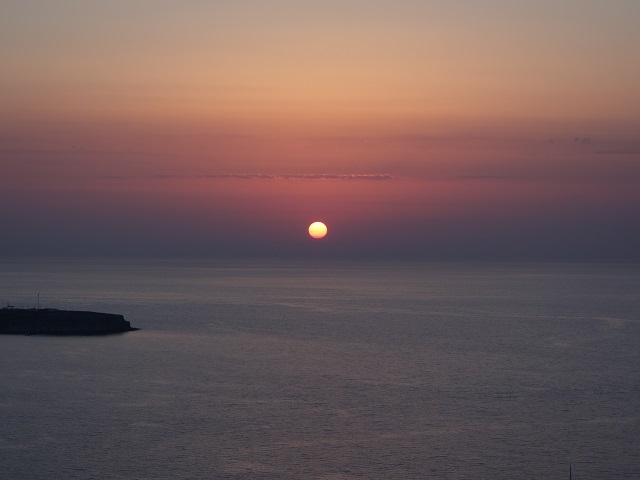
x,y
49,321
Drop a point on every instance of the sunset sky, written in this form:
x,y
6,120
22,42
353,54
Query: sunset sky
x,y
414,128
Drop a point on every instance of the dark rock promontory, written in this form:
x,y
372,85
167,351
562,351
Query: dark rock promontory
x,y
49,321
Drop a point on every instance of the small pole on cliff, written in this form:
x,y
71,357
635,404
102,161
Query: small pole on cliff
x,y
569,472
38,300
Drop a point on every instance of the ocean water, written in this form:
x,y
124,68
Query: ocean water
x,y
285,370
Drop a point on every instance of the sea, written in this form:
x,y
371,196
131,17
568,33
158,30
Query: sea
x,y
325,370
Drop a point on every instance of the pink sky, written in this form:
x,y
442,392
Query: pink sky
x,y
413,129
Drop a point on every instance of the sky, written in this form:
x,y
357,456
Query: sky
x,y
488,129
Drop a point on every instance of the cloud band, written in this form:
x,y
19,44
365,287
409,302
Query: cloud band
x,y
285,176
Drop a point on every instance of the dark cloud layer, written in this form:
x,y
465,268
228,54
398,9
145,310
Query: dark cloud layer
x,y
280,176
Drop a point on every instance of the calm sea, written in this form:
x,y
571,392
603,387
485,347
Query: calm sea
x,y
267,370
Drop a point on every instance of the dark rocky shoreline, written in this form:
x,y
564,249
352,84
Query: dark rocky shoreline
x,y
49,321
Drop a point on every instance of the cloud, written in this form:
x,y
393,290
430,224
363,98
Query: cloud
x,y
265,176
505,178
303,176
618,152
487,177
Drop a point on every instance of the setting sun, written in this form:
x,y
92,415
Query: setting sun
x,y
317,229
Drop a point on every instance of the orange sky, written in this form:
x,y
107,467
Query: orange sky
x,y
501,124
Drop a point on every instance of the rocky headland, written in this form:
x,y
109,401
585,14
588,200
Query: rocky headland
x,y
50,321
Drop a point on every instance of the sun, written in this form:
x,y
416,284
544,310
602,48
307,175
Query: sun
x,y
317,229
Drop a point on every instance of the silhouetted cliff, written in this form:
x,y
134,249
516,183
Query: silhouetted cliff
x,y
48,321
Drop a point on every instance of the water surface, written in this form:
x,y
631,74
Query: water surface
x,y
247,370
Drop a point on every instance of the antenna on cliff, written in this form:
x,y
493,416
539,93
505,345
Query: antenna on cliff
x,y
38,300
